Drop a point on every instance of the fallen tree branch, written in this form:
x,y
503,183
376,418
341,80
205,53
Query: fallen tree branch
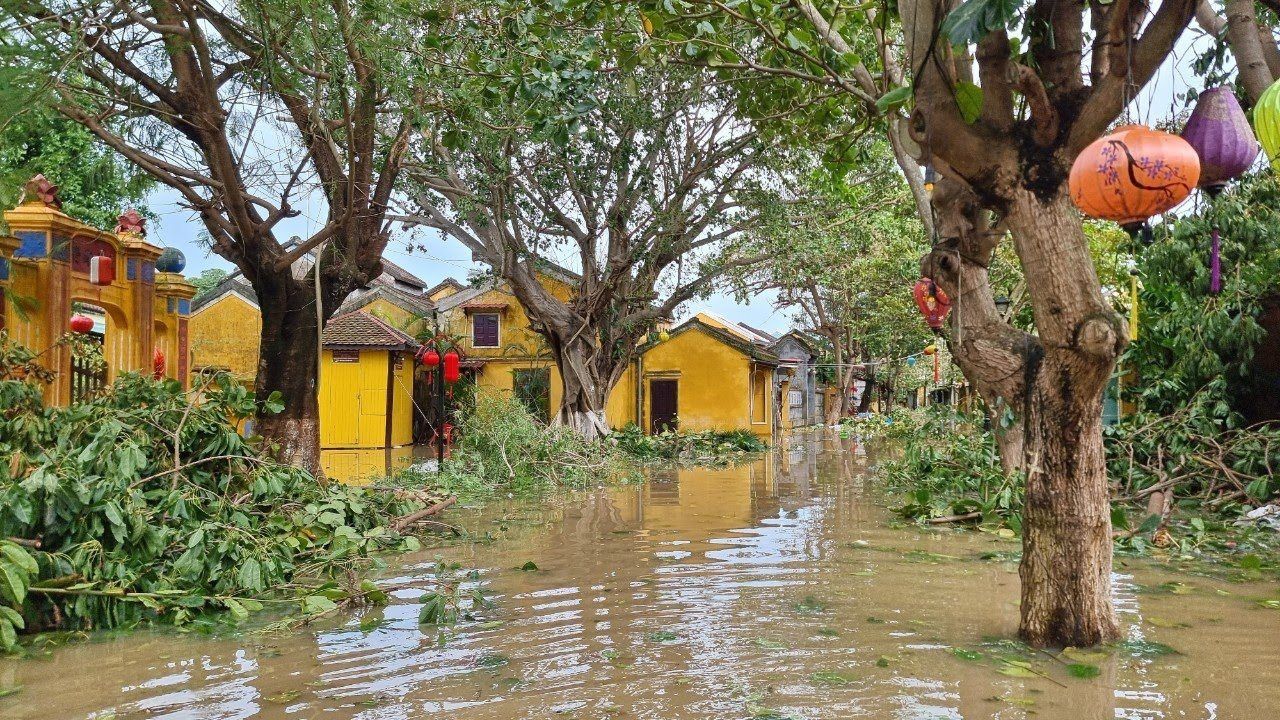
x,y
404,522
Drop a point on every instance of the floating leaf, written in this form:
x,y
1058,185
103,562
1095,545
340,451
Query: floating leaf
x,y
966,654
1083,656
284,698
831,677
1165,622
1083,671
529,566
492,660
1017,669
661,636
1145,648
882,661
766,644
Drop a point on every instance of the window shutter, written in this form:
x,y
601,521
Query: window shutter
x,y
485,330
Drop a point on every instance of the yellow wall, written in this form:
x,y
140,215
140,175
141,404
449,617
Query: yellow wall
x,y
225,335
353,401
714,389
396,316
520,347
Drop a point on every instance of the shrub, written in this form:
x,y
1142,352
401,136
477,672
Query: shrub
x,y
144,504
708,447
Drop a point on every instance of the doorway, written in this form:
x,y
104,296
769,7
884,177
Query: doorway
x,y
664,401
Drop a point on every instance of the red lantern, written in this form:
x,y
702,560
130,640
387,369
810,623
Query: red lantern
x,y
452,370
429,357
932,301
102,270
1132,174
157,364
81,324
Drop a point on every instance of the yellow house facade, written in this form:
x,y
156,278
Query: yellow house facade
x,y
46,273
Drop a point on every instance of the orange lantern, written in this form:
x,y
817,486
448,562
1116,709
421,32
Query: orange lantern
x,y
1133,174
451,367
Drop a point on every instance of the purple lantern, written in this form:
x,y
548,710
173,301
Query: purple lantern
x,y
1220,133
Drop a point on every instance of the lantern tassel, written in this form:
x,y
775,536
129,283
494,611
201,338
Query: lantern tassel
x,y
1215,264
1133,307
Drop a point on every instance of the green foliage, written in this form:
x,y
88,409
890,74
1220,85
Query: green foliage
x,y
206,281
1191,367
147,506
708,447
95,184
951,467
456,595
502,446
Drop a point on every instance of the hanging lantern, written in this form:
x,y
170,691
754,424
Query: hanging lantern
x,y
171,261
932,301
930,349
102,270
157,364
81,324
429,357
911,361
663,336
1220,134
1133,174
451,367
1266,120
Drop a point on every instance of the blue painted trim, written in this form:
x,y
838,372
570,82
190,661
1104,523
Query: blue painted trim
x,y
131,271
184,307
4,269
148,272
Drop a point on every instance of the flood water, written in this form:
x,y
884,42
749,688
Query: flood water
x,y
774,589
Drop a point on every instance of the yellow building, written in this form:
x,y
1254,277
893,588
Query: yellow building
x,y
47,265
705,377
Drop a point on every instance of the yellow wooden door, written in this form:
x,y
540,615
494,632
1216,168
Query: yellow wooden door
x,y
341,399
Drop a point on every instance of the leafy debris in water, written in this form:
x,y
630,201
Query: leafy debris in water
x,y
811,604
966,654
767,644
661,636
492,660
1083,671
529,566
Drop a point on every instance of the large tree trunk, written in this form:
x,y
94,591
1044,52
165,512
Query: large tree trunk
x,y
587,379
1066,558
287,364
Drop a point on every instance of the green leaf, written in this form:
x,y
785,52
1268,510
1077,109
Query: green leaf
x,y
250,575
969,100
8,636
20,557
974,19
12,587
529,566
237,610
274,404
13,616
316,604
966,654
1083,671
894,99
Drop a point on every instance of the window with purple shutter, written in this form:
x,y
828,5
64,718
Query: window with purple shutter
x,y
484,330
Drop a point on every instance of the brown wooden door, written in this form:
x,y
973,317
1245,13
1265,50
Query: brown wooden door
x,y
663,405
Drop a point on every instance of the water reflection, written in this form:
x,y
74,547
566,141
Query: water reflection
x,y
706,593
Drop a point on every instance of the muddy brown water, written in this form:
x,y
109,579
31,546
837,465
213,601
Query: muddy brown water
x,y
774,589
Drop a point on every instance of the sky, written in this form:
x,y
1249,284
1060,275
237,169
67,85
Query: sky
x,y
443,257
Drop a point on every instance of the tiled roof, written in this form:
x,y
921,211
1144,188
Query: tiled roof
x,y
491,305
412,302
232,283
443,284
402,275
362,330
733,340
